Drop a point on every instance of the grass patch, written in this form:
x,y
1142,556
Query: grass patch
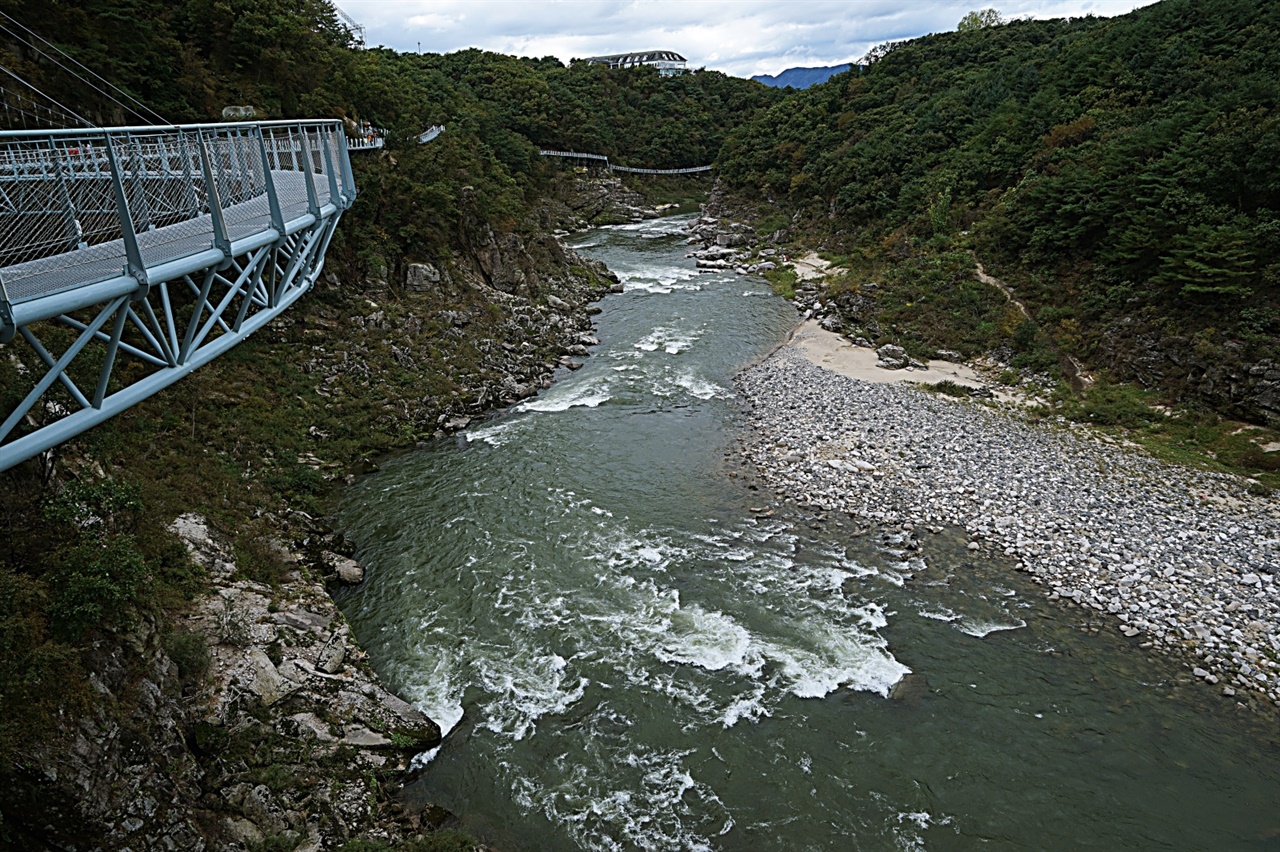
x,y
782,281
1187,436
946,387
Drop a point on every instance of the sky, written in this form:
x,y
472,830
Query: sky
x,y
738,37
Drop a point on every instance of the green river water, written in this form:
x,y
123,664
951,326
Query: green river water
x,y
627,657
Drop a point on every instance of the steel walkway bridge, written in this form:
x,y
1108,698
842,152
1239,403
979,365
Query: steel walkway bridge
x,y
601,158
131,256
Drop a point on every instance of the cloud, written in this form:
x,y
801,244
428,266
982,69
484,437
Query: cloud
x,y
739,37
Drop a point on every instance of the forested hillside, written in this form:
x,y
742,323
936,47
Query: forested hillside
x,y
1121,174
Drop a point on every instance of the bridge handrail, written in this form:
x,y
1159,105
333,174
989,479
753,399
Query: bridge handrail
x,y
82,206
611,167
153,128
688,171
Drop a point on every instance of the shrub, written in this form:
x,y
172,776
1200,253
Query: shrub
x,y
946,387
96,584
1110,404
190,653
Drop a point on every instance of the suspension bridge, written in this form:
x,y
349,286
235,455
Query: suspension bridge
x,y
601,158
131,256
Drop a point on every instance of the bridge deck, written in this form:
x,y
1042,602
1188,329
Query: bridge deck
x,y
59,273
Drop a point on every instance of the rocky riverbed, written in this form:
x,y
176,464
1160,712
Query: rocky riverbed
x,y
1176,559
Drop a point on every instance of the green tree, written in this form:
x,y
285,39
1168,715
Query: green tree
x,y
1210,260
979,20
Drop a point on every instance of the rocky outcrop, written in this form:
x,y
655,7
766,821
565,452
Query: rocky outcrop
x,y
253,720
289,700
580,201
1224,374
122,776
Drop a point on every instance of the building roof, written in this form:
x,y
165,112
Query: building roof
x,y
639,56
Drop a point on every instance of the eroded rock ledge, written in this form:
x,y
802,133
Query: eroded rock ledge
x,y
303,739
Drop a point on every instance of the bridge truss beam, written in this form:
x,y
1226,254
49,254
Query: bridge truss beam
x,y
217,231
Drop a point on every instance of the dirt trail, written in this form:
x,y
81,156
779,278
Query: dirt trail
x,y
1078,377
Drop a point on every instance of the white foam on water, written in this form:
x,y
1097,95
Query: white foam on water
x,y
750,708
709,640
943,614
655,287
421,759
436,692
659,279
833,659
908,835
495,436
723,652
564,397
982,628
670,340
700,388
526,688
658,811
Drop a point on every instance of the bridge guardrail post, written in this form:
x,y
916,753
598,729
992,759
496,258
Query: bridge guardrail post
x,y
335,195
348,178
7,328
313,200
273,200
60,167
133,255
143,209
189,179
221,239
273,205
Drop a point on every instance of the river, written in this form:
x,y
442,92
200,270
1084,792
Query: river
x,y
628,652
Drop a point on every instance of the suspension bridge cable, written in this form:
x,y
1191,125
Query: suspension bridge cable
x,y
66,110
27,29
41,120
81,77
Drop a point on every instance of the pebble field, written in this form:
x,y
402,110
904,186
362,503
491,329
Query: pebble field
x,y
1174,558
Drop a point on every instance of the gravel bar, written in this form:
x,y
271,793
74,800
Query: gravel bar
x,y
1184,560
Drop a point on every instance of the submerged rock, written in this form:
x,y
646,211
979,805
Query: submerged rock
x,y
911,689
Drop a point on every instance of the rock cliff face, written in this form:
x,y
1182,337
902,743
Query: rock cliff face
x,y
582,200
288,737
264,726
1224,374
122,774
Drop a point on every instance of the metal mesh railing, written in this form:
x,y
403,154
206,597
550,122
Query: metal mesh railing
x,y
71,202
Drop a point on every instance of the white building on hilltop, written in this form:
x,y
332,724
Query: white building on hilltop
x,y
668,63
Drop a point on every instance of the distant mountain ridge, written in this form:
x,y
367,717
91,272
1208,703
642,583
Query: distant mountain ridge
x,y
802,78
